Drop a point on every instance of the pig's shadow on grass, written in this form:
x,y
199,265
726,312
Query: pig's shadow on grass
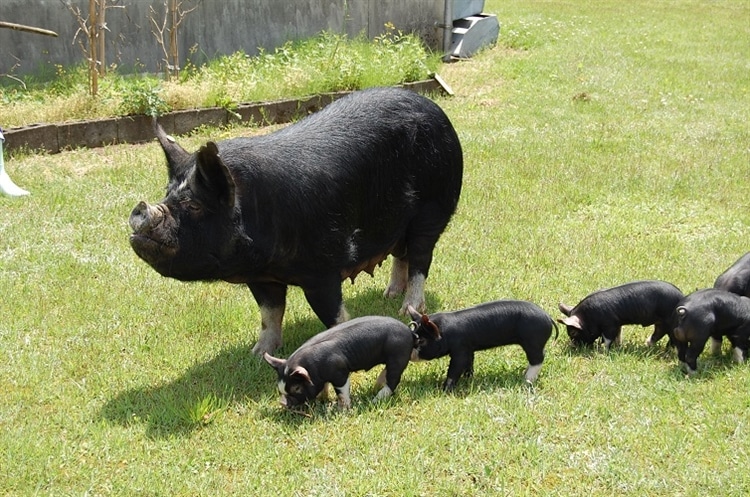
x,y
709,366
235,380
414,386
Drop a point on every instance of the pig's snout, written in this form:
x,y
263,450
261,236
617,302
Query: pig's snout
x,y
143,216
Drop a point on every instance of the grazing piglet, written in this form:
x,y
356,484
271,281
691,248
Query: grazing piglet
x,y
373,174
604,312
461,333
736,278
715,314
329,357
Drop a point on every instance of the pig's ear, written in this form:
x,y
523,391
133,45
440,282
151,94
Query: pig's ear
x,y
431,327
564,308
301,373
213,176
177,157
573,321
275,362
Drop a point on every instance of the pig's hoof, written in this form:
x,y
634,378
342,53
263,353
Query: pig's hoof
x,y
383,394
266,344
394,290
532,373
687,369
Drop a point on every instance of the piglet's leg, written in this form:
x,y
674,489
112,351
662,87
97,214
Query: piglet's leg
x,y
739,349
715,346
610,336
659,332
343,394
532,372
390,377
535,356
691,355
382,383
384,393
459,364
682,357
738,355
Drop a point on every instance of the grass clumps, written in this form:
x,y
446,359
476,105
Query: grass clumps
x,y
327,62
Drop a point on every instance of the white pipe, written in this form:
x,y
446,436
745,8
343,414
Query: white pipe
x,y
447,29
6,184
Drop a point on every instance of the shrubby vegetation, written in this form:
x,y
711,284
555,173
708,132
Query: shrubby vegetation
x,y
327,62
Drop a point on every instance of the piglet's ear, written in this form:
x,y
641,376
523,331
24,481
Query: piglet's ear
x,y
572,321
302,374
213,176
415,315
275,362
564,308
431,327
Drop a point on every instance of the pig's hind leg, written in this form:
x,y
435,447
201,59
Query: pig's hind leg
x,y
535,357
421,237
740,344
390,377
660,329
382,383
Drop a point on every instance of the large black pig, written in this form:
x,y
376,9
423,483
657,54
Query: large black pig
x,y
377,172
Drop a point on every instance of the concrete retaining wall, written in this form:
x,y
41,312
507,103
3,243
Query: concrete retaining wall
x,y
54,138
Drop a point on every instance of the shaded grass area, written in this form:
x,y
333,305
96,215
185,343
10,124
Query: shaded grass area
x,y
604,143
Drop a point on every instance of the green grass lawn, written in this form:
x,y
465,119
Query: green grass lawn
x,y
604,142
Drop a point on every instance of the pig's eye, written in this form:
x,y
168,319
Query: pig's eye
x,y
193,207
295,389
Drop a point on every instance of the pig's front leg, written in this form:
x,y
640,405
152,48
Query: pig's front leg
x,y
716,345
460,362
682,354
343,394
399,278
691,355
611,335
271,298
